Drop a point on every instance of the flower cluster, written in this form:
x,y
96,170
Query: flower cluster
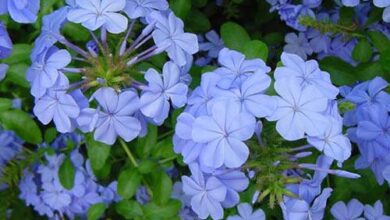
x,y
369,123
311,202
377,3
5,49
109,91
354,210
210,44
22,11
41,188
246,213
10,146
222,115
319,29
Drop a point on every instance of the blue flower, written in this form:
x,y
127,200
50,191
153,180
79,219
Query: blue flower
x,y
94,14
214,44
350,3
320,42
46,69
246,213
5,42
333,142
41,188
200,100
306,73
10,146
297,44
299,110
117,115
223,132
170,36
250,97
3,71
56,196
22,11
207,193
50,32
182,140
341,48
375,212
352,211
58,106
370,93
300,209
375,127
162,89
235,69
142,8
235,181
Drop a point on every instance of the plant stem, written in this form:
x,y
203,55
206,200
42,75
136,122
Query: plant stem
x,y
128,152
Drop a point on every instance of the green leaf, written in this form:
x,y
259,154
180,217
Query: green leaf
x,y
380,41
50,135
256,49
362,51
162,188
66,174
153,211
147,166
181,8
234,36
96,211
164,148
5,104
20,54
71,28
128,182
341,73
129,209
98,152
273,38
17,74
347,16
384,60
22,124
199,3
198,22
146,144
367,71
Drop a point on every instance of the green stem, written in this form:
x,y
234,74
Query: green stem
x,y
165,134
167,159
128,152
134,162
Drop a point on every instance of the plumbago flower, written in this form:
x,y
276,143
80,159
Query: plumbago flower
x,y
155,98
5,42
41,188
297,44
211,44
94,14
22,11
369,123
115,116
220,133
246,213
354,210
317,26
123,95
5,49
10,146
378,3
